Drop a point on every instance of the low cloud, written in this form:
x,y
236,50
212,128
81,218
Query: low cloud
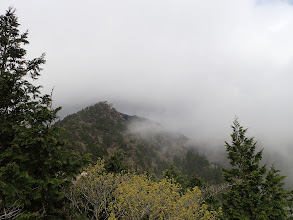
x,y
189,65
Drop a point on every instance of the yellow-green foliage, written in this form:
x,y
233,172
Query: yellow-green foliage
x,y
91,193
137,196
132,196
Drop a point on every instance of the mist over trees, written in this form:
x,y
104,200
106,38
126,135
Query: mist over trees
x,y
33,164
255,191
43,177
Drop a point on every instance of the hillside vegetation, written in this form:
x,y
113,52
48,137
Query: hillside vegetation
x,y
140,143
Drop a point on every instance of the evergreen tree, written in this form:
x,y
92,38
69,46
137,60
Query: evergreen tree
x,y
255,193
115,163
33,164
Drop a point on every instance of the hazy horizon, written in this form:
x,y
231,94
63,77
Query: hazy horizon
x,y
190,65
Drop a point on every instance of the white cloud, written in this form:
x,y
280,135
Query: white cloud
x,y
191,65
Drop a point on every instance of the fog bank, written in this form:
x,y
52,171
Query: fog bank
x,y
190,65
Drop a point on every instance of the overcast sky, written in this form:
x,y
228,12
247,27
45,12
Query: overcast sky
x,y
190,64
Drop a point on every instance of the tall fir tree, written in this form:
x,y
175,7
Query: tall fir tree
x,y
255,192
33,164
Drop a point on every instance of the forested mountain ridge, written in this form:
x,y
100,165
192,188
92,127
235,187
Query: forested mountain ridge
x,y
143,144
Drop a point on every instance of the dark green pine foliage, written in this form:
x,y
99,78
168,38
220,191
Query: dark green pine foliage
x,y
175,174
33,164
254,192
115,163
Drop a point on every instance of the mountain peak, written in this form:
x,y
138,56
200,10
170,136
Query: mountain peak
x,y
145,145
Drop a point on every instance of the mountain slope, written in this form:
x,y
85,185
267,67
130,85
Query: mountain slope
x,y
144,144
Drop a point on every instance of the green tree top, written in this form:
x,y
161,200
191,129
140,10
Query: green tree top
x,y
33,164
255,192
